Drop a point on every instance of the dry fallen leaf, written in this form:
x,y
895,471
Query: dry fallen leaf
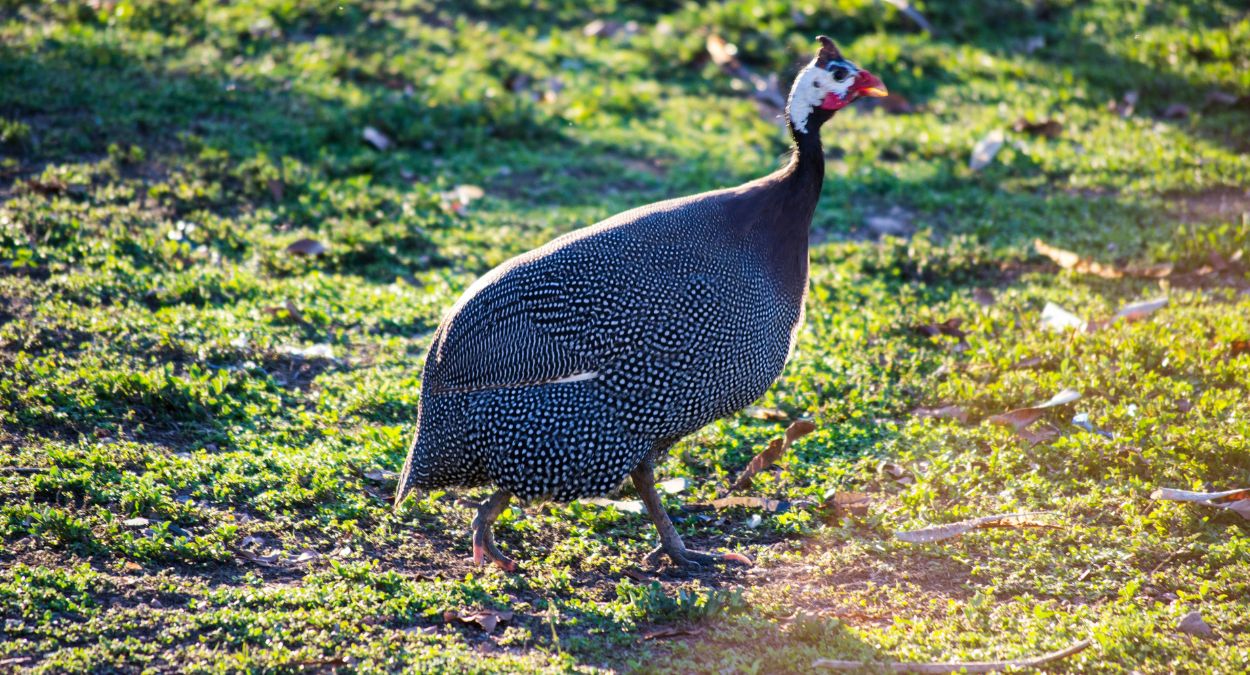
x,y
946,412
1220,98
839,504
136,522
1140,310
985,150
1028,362
1057,318
776,448
669,632
769,505
381,475
941,532
897,472
983,297
1020,418
1049,128
307,555
673,485
1237,501
1042,434
1176,111
631,506
1238,347
264,560
769,414
487,619
1071,261
948,327
955,667
375,138
1192,624
722,52
306,247
1126,106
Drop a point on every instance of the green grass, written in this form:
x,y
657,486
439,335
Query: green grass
x,y
159,157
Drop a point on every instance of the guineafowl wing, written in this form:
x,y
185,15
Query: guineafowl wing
x,y
573,308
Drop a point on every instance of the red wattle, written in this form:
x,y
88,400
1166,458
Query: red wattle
x,y
832,102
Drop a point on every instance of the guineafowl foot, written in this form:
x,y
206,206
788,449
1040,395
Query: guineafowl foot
x,y
670,542
484,548
694,559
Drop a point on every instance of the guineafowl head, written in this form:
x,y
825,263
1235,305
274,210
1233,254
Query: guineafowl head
x,y
826,85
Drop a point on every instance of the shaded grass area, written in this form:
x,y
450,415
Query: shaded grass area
x,y
196,425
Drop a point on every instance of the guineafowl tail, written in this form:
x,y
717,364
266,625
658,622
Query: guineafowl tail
x,y
406,476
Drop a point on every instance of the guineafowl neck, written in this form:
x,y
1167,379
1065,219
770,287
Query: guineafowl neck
x,y
806,174
795,193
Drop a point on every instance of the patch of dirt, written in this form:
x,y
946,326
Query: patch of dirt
x,y
1228,203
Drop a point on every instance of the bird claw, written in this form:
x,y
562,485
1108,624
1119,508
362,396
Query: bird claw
x,y
488,552
691,559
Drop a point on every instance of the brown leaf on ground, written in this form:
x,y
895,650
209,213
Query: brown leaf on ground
x,y
1176,111
1049,128
984,297
769,505
941,532
1125,106
669,632
486,619
290,308
630,506
1140,310
1192,624
1043,434
839,504
985,150
636,574
1237,501
762,413
264,560
946,412
776,448
955,667
897,472
1238,347
722,52
47,188
1059,319
381,475
948,327
375,138
1221,98
1071,261
1020,418
1028,362
306,247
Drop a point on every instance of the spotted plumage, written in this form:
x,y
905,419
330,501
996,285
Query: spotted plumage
x,y
568,368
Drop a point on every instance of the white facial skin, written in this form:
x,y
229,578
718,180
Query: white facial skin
x,y
810,89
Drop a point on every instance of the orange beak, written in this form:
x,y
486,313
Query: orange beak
x,y
867,84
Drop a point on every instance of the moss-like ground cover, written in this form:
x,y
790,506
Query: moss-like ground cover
x,y
195,423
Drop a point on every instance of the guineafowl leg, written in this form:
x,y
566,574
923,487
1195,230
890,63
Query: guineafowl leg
x,y
483,540
670,542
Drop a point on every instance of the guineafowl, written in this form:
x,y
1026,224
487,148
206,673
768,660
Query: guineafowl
x,y
569,367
